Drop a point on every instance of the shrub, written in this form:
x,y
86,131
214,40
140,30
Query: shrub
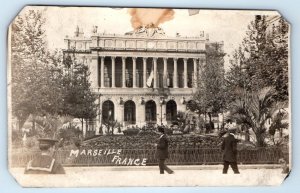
x,y
131,131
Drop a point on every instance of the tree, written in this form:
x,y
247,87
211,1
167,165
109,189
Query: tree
x,y
210,95
260,62
253,110
279,117
266,53
78,99
33,81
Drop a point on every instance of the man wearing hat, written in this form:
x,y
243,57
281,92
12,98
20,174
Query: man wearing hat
x,y
44,163
162,151
229,147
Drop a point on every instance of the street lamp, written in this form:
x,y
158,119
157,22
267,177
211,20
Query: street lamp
x,y
161,102
109,115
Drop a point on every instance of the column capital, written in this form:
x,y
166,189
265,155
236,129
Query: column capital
x,y
145,58
155,58
94,57
185,72
165,59
102,57
134,72
195,59
175,59
113,57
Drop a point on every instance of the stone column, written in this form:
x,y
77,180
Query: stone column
x,y
123,72
113,72
185,75
164,114
144,72
201,64
121,111
165,76
118,112
195,73
98,118
94,68
102,72
155,73
175,75
134,72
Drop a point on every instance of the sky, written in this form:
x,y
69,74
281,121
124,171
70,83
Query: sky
x,y
229,26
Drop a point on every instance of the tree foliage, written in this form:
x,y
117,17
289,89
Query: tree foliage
x,y
254,109
260,63
210,94
33,81
41,84
78,99
262,59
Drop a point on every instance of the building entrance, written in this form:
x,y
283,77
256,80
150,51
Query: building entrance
x,y
171,111
150,108
129,112
108,111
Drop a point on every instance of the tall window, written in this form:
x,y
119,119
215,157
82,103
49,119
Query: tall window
x,y
150,108
129,112
171,111
108,111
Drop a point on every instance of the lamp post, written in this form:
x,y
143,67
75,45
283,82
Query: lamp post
x,y
161,102
108,121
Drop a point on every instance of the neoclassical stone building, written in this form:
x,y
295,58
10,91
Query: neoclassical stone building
x,y
141,76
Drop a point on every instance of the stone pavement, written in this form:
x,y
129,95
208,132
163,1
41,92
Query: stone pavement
x,y
251,175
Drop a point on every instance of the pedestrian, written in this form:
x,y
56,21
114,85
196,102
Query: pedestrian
x,y
229,147
284,166
162,152
44,163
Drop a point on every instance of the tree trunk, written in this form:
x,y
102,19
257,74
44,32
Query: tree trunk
x,y
260,139
112,129
280,133
86,125
21,122
83,130
247,135
33,125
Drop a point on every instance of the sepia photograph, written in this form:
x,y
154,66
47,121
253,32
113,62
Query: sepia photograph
x,y
143,97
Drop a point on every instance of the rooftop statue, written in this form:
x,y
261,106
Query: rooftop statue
x,y
149,30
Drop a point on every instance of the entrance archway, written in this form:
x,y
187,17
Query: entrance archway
x,y
129,112
108,111
150,111
171,111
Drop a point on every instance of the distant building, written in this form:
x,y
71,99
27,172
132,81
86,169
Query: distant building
x,y
142,76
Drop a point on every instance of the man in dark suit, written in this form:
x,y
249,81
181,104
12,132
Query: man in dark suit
x,y
229,147
162,152
44,163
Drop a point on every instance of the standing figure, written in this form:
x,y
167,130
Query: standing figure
x,y
162,152
229,147
44,163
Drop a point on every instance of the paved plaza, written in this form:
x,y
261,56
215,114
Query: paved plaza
x,y
251,175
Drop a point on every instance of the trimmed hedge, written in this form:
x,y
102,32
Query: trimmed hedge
x,y
148,140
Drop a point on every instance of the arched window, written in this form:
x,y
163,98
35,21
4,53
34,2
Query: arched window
x,y
129,112
171,111
150,111
108,111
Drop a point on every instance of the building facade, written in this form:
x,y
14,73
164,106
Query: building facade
x,y
142,76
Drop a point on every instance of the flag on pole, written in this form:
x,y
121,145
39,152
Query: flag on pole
x,y
193,12
151,77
